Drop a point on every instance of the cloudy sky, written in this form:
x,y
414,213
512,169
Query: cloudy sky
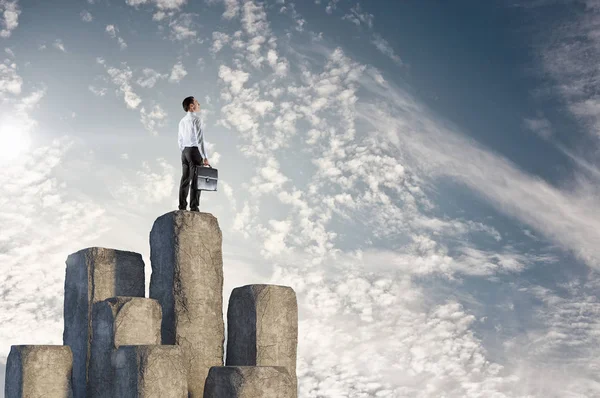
x,y
423,174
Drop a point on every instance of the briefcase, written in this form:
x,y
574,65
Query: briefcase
x,y
207,178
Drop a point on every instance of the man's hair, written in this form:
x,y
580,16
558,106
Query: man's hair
x,y
187,102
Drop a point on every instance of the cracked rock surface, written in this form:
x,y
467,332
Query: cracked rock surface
x,y
39,371
149,371
119,321
95,274
187,279
249,382
262,327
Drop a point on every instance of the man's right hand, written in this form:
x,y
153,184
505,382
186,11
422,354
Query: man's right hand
x,y
205,162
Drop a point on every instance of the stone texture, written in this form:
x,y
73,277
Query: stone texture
x,y
39,371
149,371
249,382
187,279
119,321
95,274
262,327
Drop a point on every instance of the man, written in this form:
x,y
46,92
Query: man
x,y
191,144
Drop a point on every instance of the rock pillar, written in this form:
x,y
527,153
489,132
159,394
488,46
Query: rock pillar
x,y
95,274
187,280
118,321
39,371
262,327
249,382
149,371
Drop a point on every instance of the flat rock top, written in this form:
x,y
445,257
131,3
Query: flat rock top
x,y
98,250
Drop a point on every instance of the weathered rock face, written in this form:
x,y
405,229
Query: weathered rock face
x,y
39,371
249,382
149,371
95,274
187,279
262,327
118,321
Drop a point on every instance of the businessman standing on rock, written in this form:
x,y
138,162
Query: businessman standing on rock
x,y
191,144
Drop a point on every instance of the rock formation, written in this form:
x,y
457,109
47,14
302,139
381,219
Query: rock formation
x,y
187,279
249,382
95,274
150,371
117,343
39,371
262,327
118,321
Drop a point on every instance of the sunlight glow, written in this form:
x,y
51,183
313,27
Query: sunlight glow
x,y
14,139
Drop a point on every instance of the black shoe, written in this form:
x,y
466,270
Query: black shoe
x,y
196,210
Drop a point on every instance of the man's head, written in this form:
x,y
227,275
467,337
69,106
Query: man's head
x,y
191,105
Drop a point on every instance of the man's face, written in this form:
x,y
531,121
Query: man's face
x,y
196,105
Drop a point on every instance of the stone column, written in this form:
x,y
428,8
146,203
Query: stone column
x,y
39,371
149,371
118,321
95,274
262,327
187,280
249,382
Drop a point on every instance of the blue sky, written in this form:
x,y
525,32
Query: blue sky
x,y
423,174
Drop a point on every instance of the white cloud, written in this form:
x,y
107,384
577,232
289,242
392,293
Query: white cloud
x,y
150,78
383,46
10,17
160,4
112,32
183,27
219,40
235,78
177,73
10,81
97,91
53,221
358,17
541,126
146,187
59,45
232,7
153,119
373,333
86,16
121,77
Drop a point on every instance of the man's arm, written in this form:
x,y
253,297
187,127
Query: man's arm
x,y
201,141
180,138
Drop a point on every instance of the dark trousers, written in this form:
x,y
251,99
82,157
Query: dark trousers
x,y
190,158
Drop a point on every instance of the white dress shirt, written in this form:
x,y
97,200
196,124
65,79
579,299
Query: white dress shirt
x,y
191,133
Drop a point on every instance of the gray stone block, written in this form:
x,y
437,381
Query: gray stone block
x,y
187,279
149,371
249,382
39,371
95,274
118,321
262,327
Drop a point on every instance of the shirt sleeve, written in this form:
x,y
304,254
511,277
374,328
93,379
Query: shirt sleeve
x,y
180,138
201,139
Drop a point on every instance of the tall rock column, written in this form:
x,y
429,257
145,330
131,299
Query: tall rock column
x,y
187,280
249,382
39,371
118,321
262,327
95,274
